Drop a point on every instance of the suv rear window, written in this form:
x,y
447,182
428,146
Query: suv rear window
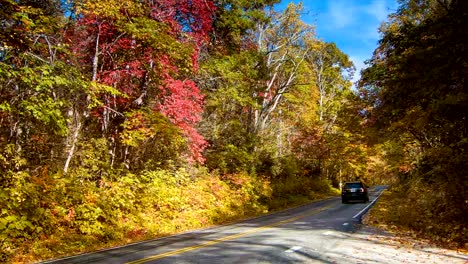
x,y
353,185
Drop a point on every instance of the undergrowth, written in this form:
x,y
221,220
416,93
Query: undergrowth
x,y
53,215
421,210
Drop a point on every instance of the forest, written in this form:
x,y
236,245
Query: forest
x,y
127,120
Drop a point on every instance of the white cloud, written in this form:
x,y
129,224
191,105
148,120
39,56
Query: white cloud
x,y
340,13
352,25
344,14
378,9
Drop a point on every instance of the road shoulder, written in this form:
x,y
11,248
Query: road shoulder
x,y
371,244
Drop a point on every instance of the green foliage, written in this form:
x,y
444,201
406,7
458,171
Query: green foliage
x,y
91,159
226,122
332,69
11,160
37,106
230,159
294,190
20,19
419,208
157,35
25,214
288,167
153,140
415,89
234,18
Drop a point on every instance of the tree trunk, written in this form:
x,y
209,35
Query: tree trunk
x,y
75,126
74,140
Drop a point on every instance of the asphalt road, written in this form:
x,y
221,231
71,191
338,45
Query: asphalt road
x,y
320,232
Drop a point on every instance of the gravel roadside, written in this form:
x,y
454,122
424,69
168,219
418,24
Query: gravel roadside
x,y
373,245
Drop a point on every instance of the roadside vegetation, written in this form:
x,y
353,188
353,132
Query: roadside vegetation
x,y
417,99
68,216
404,213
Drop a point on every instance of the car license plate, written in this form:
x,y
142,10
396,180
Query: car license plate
x,y
353,189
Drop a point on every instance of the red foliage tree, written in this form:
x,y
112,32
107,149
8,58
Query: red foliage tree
x,y
148,56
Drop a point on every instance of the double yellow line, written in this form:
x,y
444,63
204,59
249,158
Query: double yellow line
x,y
226,238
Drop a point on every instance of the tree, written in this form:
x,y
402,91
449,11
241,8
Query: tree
x,y
39,85
329,65
416,90
148,52
233,19
283,43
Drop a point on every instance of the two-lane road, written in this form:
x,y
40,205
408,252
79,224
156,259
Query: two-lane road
x,y
298,235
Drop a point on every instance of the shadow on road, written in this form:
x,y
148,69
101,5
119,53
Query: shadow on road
x,y
328,236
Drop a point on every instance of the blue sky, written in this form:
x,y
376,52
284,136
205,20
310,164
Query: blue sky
x,y
351,24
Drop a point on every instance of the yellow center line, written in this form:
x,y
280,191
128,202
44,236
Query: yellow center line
x,y
226,238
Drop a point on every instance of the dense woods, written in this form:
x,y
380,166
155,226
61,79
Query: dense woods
x,y
126,120
417,106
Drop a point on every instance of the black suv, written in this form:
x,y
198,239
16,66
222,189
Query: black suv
x,y
354,191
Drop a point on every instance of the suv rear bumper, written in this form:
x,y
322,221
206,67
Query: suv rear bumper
x,y
355,197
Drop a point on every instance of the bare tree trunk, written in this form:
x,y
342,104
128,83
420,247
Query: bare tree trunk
x,y
320,83
74,140
75,126
126,160
96,55
112,152
275,90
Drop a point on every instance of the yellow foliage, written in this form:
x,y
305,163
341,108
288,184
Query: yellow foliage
x,y
111,9
415,211
128,208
